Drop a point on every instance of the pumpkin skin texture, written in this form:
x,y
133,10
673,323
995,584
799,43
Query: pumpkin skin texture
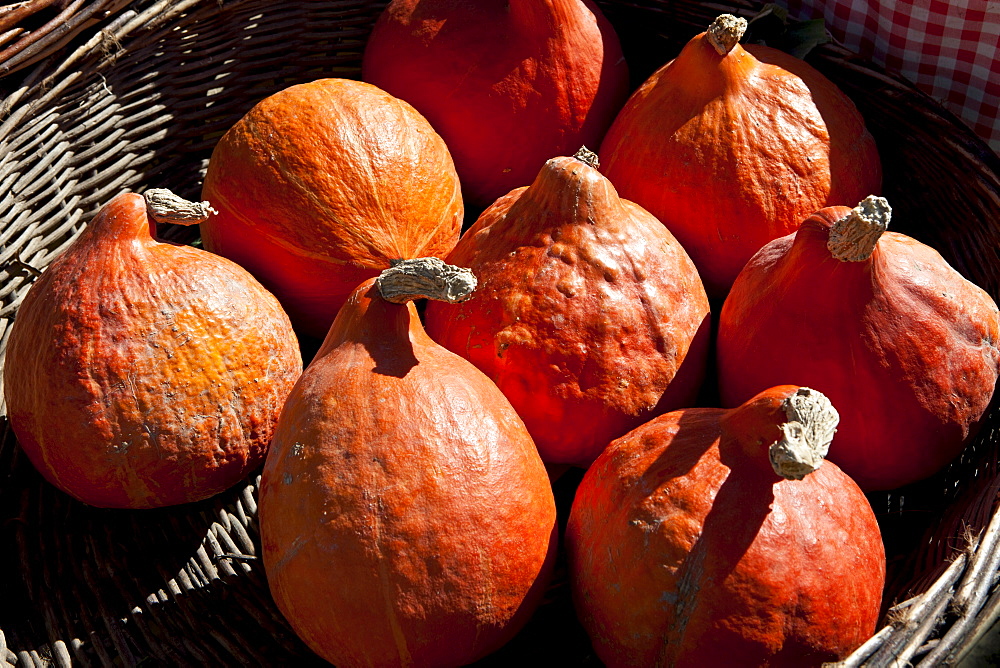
x,y
899,341
687,549
406,518
508,84
320,185
589,316
142,374
732,151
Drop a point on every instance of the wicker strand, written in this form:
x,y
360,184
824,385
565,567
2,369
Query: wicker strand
x,y
910,632
8,657
971,594
986,559
978,628
861,654
142,100
56,34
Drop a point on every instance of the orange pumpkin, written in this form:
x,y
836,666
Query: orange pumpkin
x,y
732,146
508,84
141,373
590,317
879,322
713,537
406,518
321,185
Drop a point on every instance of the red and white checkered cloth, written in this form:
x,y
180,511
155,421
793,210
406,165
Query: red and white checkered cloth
x,y
949,48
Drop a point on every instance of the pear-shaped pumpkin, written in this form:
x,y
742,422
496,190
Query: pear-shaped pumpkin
x,y
732,146
142,373
321,185
714,537
903,344
507,83
590,317
405,515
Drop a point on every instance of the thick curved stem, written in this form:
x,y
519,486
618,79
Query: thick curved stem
x,y
853,238
426,277
163,206
587,157
725,33
812,422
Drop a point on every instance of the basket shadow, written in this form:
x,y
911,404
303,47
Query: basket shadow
x,y
177,586
181,586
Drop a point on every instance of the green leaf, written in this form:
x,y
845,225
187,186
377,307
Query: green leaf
x,y
772,27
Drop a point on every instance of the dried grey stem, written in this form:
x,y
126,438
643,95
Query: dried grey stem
x,y
853,237
588,157
726,32
427,277
812,422
165,207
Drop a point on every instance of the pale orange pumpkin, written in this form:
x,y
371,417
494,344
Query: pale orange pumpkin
x,y
406,518
713,537
880,323
590,317
321,185
141,373
732,146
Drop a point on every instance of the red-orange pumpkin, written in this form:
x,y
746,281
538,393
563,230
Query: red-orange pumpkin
x,y
141,373
590,317
406,518
879,322
733,150
713,537
321,185
508,84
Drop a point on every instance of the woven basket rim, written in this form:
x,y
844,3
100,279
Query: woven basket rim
x,y
954,608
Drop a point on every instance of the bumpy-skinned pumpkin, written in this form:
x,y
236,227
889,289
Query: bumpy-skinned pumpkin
x,y
142,373
733,146
321,185
714,537
406,518
507,84
590,317
879,322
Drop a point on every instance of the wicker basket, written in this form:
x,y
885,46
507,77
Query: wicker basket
x,y
32,30
142,101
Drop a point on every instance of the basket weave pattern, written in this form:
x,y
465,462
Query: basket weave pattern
x,y
141,103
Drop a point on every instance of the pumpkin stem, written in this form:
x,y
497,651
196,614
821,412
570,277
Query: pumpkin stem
x,y
165,207
588,157
426,277
812,422
725,33
853,237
